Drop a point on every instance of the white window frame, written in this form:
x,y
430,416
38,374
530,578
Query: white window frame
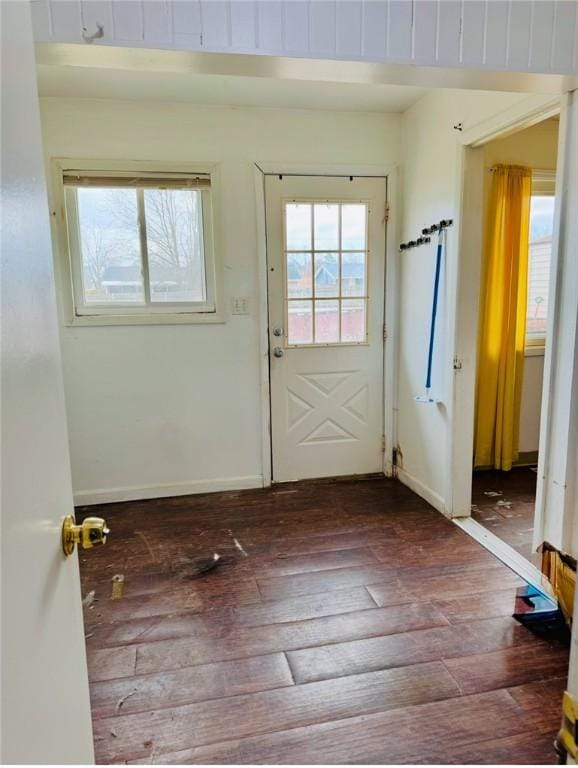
x,y
69,268
314,344
543,184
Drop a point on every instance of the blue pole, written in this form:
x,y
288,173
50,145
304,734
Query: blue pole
x,y
434,310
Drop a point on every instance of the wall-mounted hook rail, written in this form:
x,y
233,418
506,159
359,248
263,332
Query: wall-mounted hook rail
x,y
425,234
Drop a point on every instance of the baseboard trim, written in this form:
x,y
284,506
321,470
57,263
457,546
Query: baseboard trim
x,y
504,552
525,459
422,490
137,493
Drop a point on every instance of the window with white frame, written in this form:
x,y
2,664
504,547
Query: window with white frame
x,y
539,257
139,245
326,256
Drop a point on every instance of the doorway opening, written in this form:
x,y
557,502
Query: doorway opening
x,y
519,174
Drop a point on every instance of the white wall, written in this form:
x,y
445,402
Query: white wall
x,y
160,410
430,193
535,147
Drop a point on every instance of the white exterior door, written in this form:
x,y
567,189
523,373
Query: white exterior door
x,y
326,259
45,703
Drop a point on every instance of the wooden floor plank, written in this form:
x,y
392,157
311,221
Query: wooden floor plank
x,y
323,662
224,620
508,667
534,748
255,641
185,686
181,597
259,713
399,736
542,701
484,605
278,588
467,582
102,665
290,565
389,574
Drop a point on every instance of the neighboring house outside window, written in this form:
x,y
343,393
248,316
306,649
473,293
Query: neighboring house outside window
x,y
539,257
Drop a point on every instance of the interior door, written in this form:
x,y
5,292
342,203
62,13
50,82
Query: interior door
x,y
45,702
326,259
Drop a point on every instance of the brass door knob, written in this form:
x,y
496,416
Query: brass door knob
x,y
90,533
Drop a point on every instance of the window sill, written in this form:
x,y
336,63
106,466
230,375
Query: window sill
x,y
535,351
178,318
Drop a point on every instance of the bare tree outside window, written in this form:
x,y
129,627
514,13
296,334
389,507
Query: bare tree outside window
x,y
174,228
110,245
110,242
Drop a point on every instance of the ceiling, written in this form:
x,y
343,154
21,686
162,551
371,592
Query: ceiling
x,y
100,83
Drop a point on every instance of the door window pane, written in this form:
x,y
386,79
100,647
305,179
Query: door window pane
x,y
353,320
174,228
299,275
353,229
326,322
353,277
298,226
326,226
326,274
330,268
110,246
300,322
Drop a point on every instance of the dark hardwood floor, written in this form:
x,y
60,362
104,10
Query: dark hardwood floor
x,y
504,503
348,623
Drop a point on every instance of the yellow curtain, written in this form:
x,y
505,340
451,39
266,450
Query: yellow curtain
x,y
503,319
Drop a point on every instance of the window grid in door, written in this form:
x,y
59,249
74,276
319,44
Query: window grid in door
x,y
326,270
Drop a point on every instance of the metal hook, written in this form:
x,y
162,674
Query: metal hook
x,y
95,35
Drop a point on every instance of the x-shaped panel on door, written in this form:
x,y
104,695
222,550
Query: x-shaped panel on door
x,y
327,407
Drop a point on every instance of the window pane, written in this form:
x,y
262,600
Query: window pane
x,y
353,274
353,320
326,274
326,321
540,252
110,246
174,224
299,277
300,322
298,226
326,225
353,227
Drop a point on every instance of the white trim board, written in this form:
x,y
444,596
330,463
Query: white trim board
x,y
421,489
464,292
263,168
135,493
504,552
264,373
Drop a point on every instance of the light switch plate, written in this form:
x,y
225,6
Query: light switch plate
x,y
240,306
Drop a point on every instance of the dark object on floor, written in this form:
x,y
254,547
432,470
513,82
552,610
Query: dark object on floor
x,y
196,566
540,613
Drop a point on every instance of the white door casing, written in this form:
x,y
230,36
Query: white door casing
x,y
45,701
326,398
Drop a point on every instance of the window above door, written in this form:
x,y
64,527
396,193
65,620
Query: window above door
x,y
326,266
137,244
